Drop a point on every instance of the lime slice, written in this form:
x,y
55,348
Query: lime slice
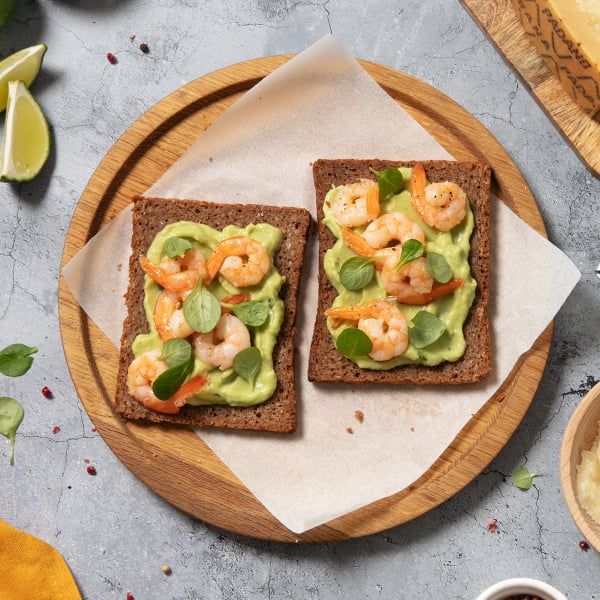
x,y
26,142
23,65
6,8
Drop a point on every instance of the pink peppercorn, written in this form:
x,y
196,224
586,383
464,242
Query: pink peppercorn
x,y
130,596
112,59
584,545
56,429
91,470
46,392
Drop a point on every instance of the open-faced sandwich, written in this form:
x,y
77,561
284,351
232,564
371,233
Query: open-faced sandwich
x,y
208,338
403,272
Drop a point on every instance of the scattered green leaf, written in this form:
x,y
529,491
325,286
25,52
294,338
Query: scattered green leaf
x,y
247,364
176,351
201,309
15,360
522,478
251,313
390,182
438,267
353,342
426,329
168,382
357,272
411,250
176,246
11,415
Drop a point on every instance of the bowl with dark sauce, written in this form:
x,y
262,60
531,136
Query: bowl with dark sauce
x,y
521,588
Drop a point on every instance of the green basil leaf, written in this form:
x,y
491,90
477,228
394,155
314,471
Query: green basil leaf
x,y
353,342
176,246
390,182
252,313
168,382
438,267
357,272
11,416
411,250
15,360
176,351
201,309
522,478
247,364
426,329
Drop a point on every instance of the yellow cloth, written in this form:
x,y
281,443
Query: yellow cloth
x,y
31,569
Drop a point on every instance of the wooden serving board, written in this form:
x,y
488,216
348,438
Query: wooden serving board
x,y
501,24
174,462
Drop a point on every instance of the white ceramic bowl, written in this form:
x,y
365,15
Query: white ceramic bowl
x,y
519,586
579,435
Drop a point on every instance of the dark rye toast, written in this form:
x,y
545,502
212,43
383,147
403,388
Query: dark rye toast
x,y
150,216
326,364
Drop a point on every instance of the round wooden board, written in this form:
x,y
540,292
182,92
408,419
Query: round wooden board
x,y
174,462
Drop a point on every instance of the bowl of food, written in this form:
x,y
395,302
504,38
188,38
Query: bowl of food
x,y
580,466
521,588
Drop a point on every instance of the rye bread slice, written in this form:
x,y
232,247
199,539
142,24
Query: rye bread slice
x,y
150,216
326,364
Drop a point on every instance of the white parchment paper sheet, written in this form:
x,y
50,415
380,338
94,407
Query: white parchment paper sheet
x,y
322,104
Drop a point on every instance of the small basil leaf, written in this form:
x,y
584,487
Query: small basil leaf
x,y
522,478
438,267
353,342
426,329
168,382
357,272
176,246
251,313
11,415
15,360
411,250
201,309
247,364
390,182
176,351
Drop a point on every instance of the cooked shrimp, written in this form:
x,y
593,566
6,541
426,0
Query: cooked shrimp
x,y
440,205
177,274
168,316
413,284
228,258
218,347
357,203
141,375
383,322
390,227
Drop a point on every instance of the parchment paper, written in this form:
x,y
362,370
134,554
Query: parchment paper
x,y
322,104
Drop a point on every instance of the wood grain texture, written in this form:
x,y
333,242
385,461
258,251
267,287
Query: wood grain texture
x,y
174,462
501,24
579,435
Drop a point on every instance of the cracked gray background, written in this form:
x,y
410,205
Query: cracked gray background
x,y
113,532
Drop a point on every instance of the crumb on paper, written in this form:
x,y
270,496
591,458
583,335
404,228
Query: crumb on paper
x,y
492,525
166,569
349,430
359,415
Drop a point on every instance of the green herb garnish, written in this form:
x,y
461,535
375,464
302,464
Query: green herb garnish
x,y
353,342
357,272
176,246
247,364
15,360
411,250
11,415
438,267
390,182
522,478
176,351
201,309
426,329
252,313
168,382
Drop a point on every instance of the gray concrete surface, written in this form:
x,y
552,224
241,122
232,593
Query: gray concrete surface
x,y
113,532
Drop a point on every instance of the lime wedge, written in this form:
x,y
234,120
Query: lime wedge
x,y
23,65
26,141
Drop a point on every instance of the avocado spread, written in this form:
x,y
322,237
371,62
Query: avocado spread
x,y
452,309
224,387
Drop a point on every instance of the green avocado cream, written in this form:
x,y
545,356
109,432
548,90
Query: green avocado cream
x,y
224,387
452,309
